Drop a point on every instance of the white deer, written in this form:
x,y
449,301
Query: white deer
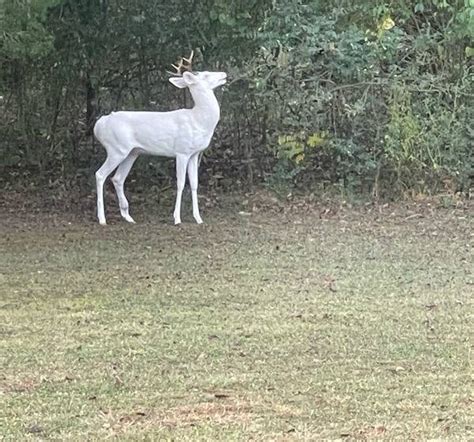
x,y
182,134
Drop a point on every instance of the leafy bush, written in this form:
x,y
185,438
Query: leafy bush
x,y
389,85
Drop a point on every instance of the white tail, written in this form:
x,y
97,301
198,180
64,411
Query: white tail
x,y
182,134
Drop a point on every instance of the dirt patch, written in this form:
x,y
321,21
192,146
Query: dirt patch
x,y
25,385
221,410
370,432
218,412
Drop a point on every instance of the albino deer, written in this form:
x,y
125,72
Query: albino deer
x,y
182,134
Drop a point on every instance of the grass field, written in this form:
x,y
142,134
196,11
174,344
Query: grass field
x,y
276,323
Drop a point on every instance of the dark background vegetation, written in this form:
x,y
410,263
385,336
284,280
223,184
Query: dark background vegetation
x,y
367,97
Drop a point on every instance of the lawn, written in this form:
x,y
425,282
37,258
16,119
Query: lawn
x,y
282,322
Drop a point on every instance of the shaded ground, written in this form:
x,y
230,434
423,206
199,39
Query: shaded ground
x,y
281,322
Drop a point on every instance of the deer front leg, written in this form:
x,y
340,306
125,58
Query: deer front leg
x,y
193,168
181,166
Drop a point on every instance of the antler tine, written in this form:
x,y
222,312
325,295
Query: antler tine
x,y
180,67
190,59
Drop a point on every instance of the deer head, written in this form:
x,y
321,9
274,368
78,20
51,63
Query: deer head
x,y
185,77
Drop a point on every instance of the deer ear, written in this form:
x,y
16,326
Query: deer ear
x,y
178,82
189,78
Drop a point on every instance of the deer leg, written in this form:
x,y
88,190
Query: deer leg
x,y
100,176
193,167
119,180
181,166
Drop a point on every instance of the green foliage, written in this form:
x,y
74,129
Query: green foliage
x,y
389,83
369,95
403,139
23,34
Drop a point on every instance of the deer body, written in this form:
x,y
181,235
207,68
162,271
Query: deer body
x,y
181,134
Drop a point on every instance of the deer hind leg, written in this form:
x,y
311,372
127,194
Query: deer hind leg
x,y
119,180
100,176
181,166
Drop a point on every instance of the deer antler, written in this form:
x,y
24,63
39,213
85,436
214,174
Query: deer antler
x,y
184,64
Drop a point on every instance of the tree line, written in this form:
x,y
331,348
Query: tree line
x,y
370,96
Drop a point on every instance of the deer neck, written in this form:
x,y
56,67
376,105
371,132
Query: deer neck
x,y
206,108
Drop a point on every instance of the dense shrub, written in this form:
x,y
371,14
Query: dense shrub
x,y
369,96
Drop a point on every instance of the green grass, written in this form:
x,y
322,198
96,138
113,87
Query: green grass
x,y
299,324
